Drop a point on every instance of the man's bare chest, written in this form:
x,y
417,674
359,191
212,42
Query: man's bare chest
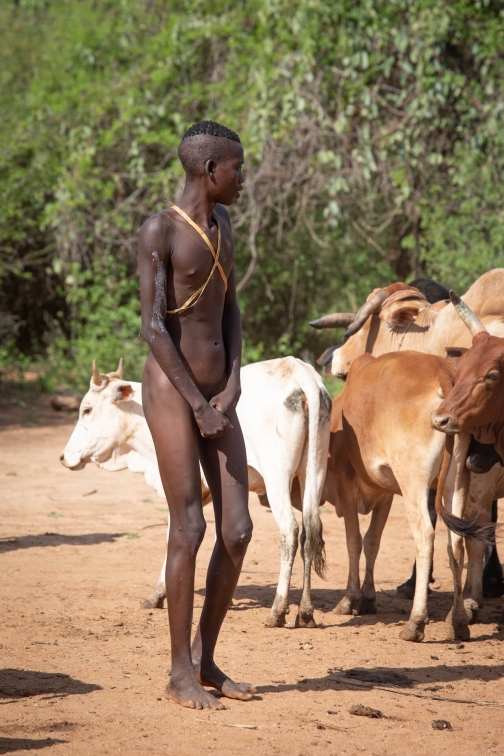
x,y
191,260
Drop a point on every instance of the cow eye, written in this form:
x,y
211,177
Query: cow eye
x,y
493,376
86,411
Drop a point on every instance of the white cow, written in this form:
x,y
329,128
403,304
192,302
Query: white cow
x,y
284,412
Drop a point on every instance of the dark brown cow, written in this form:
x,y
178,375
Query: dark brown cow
x,y
476,402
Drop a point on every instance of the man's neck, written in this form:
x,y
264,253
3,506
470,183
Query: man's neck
x,y
196,203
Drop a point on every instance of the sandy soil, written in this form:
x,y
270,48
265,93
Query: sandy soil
x,y
82,668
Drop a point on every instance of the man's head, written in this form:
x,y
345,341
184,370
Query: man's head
x,y
213,153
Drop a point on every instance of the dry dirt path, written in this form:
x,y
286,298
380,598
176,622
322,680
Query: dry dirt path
x,y
82,668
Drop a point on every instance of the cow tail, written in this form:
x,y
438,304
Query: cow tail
x,y
464,528
311,499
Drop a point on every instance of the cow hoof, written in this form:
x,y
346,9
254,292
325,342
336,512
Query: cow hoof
x,y
305,619
471,609
406,591
367,606
275,620
156,603
413,632
457,632
347,606
473,616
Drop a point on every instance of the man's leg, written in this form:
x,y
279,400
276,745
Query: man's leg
x,y
224,463
174,432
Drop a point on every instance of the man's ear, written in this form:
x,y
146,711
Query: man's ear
x,y
403,315
121,392
210,167
453,353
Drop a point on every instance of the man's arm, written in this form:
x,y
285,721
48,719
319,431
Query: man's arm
x,y
227,400
153,257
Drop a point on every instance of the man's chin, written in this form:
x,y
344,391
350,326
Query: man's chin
x,y
228,201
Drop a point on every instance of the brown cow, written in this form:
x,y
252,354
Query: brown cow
x,y
382,444
476,402
476,405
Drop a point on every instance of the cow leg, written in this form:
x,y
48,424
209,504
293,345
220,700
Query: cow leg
x,y
418,517
473,587
304,616
457,621
372,541
311,475
455,495
158,595
407,589
280,503
493,577
350,602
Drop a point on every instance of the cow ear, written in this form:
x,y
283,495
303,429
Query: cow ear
x,y
122,391
453,353
326,357
401,316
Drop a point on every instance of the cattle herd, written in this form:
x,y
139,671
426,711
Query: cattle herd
x,y
421,415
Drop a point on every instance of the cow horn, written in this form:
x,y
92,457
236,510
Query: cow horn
x,y
467,315
368,308
119,371
96,375
334,320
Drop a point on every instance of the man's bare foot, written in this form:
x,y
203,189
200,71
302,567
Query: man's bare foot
x,y
213,677
192,695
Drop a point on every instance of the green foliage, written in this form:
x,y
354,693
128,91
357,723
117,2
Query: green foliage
x,y
104,317
333,385
373,137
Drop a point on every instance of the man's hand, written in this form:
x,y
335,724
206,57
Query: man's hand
x,y
227,400
211,422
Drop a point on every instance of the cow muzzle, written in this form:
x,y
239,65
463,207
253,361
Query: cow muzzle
x,y
444,423
72,461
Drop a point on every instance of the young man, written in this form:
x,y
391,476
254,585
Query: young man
x,y
191,385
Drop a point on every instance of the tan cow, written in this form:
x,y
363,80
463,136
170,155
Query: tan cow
x,y
382,444
398,317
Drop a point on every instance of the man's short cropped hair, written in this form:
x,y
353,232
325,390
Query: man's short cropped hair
x,y
205,140
212,128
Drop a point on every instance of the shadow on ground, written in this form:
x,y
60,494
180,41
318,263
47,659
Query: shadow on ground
x,y
56,539
400,678
22,683
9,745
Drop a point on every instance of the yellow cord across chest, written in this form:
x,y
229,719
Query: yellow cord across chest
x,y
215,254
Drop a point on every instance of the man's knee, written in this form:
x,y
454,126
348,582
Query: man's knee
x,y
189,533
238,536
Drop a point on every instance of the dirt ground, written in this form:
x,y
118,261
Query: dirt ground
x,y
82,667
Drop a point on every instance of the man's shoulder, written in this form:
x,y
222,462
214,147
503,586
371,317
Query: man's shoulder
x,y
157,228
